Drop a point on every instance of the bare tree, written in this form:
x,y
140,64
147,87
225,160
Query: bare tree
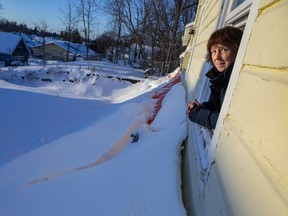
x,y
133,19
170,18
87,10
157,23
115,9
70,20
42,27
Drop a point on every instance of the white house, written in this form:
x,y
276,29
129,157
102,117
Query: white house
x,y
240,168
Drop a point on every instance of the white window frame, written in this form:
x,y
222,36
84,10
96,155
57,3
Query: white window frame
x,y
238,16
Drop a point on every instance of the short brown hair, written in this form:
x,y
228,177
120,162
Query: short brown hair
x,y
228,36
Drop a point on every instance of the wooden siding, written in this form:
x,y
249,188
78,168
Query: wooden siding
x,y
249,176
253,144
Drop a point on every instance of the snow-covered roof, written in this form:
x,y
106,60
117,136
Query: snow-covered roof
x,y
74,48
29,40
8,42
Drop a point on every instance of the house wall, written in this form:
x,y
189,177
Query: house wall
x,y
52,51
21,52
253,144
4,60
249,175
58,53
196,202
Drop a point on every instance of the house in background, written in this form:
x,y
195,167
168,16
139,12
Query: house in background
x,y
136,56
63,51
29,40
13,49
240,168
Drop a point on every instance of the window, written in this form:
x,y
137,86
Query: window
x,y
238,12
237,3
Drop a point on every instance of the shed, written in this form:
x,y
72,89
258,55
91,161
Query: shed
x,y
62,51
13,49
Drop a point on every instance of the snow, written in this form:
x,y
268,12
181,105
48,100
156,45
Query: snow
x,y
66,147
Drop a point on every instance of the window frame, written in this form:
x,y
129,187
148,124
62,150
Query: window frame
x,y
235,15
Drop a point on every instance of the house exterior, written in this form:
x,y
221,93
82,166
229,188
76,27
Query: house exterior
x,y
63,51
30,42
13,49
240,168
187,37
136,56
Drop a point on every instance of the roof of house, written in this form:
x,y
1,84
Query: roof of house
x,y
30,42
9,42
74,48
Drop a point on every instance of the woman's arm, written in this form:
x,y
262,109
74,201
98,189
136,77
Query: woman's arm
x,y
203,116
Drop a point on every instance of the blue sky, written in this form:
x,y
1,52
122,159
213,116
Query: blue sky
x,y
33,11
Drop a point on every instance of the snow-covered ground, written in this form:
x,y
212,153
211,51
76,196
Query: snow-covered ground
x,y
66,146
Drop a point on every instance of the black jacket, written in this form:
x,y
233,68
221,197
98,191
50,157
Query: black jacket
x,y
208,115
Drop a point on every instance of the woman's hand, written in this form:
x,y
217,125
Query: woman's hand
x,y
190,105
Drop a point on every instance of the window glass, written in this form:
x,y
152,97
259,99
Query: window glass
x,y
238,2
238,15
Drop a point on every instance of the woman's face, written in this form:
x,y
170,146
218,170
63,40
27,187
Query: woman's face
x,y
222,56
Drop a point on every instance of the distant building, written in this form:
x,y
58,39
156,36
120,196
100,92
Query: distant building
x,y
29,40
132,55
13,50
63,51
137,58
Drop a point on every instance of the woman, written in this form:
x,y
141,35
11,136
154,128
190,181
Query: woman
x,y
222,48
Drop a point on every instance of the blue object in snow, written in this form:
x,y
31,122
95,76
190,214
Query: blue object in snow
x,y
135,137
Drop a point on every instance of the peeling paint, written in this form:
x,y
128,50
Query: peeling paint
x,y
279,68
